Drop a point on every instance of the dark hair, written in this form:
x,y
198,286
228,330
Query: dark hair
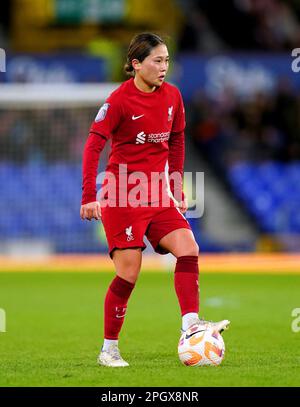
x,y
139,48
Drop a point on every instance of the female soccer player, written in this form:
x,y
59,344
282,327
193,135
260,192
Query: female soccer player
x,y
145,120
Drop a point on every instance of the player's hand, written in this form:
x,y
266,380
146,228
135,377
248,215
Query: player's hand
x,y
91,210
183,205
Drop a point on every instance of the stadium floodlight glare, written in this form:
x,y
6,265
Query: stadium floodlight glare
x,y
39,96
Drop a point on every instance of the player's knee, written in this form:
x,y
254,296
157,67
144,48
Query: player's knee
x,y
130,275
129,270
130,263
195,250
192,249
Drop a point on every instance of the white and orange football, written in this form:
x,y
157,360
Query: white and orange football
x,y
201,347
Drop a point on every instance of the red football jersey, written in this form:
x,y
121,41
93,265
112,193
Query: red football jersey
x,y
146,130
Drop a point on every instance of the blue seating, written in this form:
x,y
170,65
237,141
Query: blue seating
x,y
270,191
42,201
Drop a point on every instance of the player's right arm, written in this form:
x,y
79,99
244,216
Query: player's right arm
x,y
101,130
90,211
90,207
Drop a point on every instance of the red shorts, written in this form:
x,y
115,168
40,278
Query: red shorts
x,y
126,227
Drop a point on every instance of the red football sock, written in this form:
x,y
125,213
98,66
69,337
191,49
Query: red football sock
x,y
186,280
115,306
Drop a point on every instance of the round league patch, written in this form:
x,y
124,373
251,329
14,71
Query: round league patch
x,y
102,112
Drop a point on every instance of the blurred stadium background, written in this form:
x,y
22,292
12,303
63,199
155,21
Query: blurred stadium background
x,y
232,61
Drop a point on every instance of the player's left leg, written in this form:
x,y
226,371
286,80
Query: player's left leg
x,y
170,232
181,243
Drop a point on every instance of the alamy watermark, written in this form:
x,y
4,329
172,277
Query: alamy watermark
x,y
2,60
296,322
2,320
296,61
134,189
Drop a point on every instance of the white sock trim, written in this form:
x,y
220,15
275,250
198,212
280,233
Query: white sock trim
x,y
108,342
187,318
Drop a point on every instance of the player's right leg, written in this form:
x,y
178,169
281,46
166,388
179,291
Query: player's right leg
x,y
125,229
127,264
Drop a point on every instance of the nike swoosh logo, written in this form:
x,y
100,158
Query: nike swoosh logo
x,y
189,336
137,117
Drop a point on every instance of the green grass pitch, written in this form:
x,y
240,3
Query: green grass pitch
x,y
54,331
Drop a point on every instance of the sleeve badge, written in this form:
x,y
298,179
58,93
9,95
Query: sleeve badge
x,y
102,112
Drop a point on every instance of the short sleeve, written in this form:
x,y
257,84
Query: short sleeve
x,y
107,119
179,117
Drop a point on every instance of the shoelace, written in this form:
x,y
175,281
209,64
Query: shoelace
x,y
201,321
204,321
115,353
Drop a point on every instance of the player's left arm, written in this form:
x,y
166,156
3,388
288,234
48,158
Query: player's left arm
x,y
176,156
176,162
